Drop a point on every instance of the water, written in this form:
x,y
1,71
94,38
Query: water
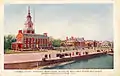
x,y
102,62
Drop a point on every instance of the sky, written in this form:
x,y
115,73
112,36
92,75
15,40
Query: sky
x,y
91,21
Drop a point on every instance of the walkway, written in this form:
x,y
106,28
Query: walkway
x,y
25,57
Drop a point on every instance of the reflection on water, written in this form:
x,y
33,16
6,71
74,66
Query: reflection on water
x,y
102,62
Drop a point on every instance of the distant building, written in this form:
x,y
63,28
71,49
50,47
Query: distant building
x,y
89,43
93,43
107,44
27,39
76,42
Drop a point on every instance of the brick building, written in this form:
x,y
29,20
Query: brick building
x,y
27,39
81,42
76,42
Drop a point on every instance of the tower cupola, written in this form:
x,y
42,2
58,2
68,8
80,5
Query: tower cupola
x,y
28,24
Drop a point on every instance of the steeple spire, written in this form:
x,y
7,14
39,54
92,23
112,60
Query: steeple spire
x,y
29,24
28,10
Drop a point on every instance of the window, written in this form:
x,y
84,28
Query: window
x,y
28,45
24,40
41,41
28,31
30,40
32,32
76,53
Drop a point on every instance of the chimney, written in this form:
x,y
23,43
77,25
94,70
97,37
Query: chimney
x,y
45,34
20,31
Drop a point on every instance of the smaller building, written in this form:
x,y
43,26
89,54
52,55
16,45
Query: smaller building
x,y
92,43
74,42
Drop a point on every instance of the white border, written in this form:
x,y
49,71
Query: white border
x,y
105,72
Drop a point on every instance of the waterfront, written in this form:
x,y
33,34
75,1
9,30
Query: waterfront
x,y
34,60
102,62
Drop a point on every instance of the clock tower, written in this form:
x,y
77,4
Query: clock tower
x,y
28,24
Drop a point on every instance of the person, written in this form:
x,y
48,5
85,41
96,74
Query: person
x,y
46,56
43,59
70,54
49,56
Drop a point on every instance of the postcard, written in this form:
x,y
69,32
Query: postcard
x,y
59,39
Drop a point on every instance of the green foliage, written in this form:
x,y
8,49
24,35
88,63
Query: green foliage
x,y
56,42
7,51
7,42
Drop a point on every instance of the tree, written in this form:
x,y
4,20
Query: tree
x,y
56,42
8,40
